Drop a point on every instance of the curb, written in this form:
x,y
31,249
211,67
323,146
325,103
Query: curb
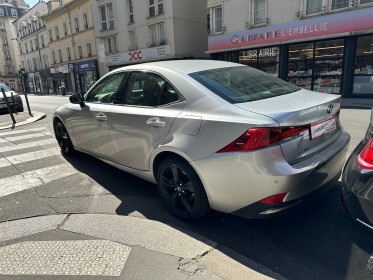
x,y
36,117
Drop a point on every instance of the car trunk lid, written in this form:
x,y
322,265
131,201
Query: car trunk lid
x,y
318,111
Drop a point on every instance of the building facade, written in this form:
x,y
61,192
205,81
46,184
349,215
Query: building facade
x,y
33,49
323,45
72,45
9,54
131,32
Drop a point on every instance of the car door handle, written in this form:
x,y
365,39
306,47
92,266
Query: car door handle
x,y
157,122
101,117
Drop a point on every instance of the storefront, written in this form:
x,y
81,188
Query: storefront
x,y
86,74
324,53
62,78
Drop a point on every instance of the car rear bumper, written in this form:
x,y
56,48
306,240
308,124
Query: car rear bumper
x,y
236,182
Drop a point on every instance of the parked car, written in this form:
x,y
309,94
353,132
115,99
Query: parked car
x,y
17,99
357,181
210,134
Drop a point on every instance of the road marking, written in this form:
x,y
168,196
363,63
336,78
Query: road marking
x,y
4,162
6,133
73,257
35,178
24,137
27,145
22,158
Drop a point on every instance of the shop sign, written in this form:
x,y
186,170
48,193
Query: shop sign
x,y
62,68
307,28
86,66
160,52
267,52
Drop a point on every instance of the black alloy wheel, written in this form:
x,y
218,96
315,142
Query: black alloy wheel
x,y
181,189
63,139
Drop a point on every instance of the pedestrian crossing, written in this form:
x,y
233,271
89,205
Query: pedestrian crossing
x,y
14,155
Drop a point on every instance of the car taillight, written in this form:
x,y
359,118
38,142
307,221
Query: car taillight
x,y
256,138
365,158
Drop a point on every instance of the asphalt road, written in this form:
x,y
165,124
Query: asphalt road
x,y
317,241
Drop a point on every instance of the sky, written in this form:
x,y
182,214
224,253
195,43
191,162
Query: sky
x,y
31,2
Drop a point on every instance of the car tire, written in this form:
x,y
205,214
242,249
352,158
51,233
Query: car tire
x,y
63,139
181,189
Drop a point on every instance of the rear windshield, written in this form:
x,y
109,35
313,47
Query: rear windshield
x,y
243,84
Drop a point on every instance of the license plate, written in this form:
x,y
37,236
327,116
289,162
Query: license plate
x,y
321,128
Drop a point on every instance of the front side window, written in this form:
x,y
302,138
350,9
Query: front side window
x,y
242,84
259,11
107,16
105,91
147,89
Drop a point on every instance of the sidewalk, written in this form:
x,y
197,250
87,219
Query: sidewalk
x,y
21,118
124,247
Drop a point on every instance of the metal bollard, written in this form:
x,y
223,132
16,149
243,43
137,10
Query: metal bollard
x,y
7,104
25,93
14,103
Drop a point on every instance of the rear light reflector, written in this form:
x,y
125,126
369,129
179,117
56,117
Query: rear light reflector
x,y
365,158
274,199
256,138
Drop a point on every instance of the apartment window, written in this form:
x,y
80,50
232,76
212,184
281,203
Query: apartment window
x,y
338,4
34,64
7,55
155,7
76,24
36,44
26,48
31,46
80,51
107,17
112,45
89,49
217,19
366,1
60,55
20,48
45,60
85,20
64,25
314,6
68,53
132,37
54,57
130,11
5,41
57,32
42,41
50,35
259,9
157,34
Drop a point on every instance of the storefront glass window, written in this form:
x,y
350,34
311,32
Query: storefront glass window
x,y
265,59
317,66
363,78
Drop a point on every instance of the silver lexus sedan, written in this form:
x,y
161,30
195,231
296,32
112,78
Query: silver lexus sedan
x,y
210,134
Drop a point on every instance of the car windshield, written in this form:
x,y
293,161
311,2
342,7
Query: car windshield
x,y
243,84
4,86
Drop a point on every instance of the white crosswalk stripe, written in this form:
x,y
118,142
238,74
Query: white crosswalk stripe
x,y
34,178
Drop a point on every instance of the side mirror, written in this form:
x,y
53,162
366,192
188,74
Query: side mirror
x,y
77,98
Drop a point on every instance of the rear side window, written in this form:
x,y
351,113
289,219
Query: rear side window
x,y
243,84
5,87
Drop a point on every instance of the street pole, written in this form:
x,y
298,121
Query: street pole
x,y
25,93
7,104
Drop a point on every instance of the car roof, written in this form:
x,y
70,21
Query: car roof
x,y
185,66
